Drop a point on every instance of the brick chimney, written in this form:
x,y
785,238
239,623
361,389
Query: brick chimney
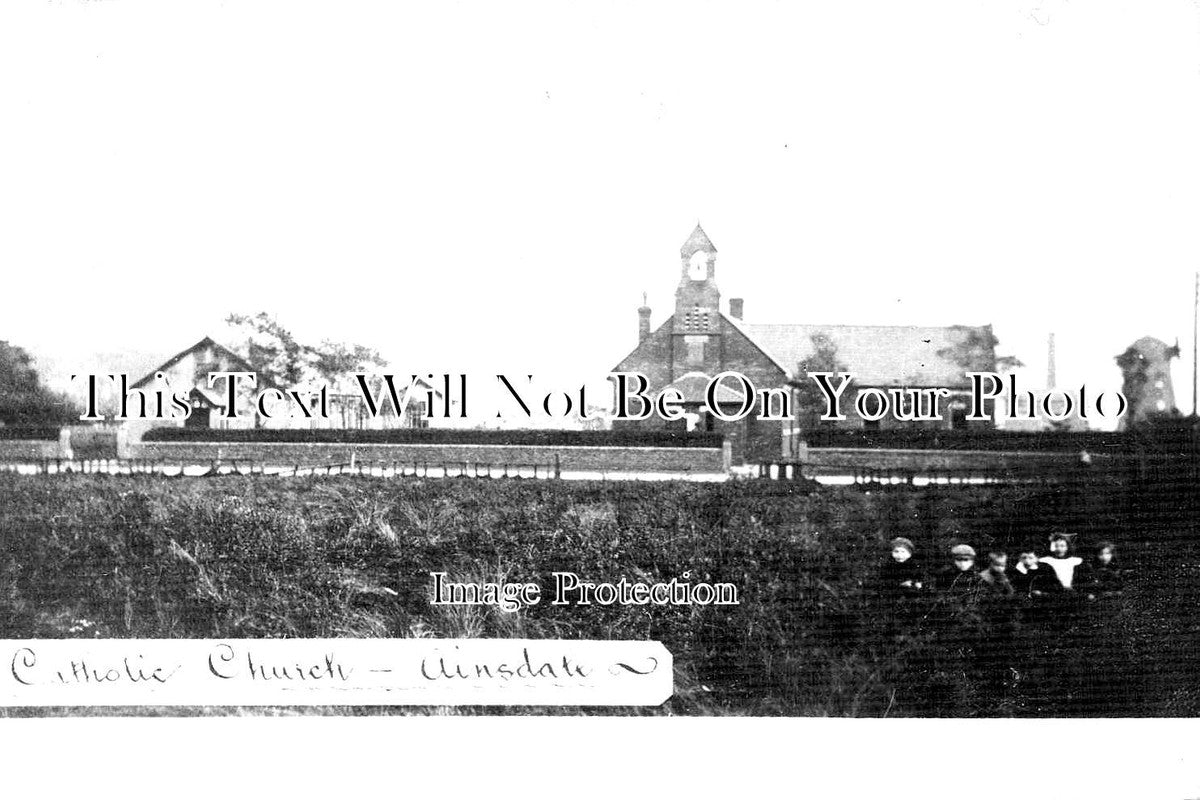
x,y
643,320
735,307
1051,376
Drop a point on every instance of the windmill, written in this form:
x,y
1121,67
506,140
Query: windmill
x,y
1146,372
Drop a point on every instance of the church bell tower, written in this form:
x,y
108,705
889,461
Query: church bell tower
x,y
696,332
697,298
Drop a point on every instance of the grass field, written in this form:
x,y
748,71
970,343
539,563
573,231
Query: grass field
x,y
105,556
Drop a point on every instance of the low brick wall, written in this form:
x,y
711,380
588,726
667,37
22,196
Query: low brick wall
x,y
570,459
35,449
833,460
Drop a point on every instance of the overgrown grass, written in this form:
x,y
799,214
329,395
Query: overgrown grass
x,y
327,557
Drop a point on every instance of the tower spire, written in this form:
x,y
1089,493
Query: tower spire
x,y
696,242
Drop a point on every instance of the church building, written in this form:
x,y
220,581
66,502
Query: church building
x,y
701,340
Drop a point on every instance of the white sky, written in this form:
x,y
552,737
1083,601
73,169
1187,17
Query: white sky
x,y
491,186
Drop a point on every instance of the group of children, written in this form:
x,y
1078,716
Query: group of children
x,y
1059,574
984,615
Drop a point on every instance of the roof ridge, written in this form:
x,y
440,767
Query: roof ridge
x,y
876,354
175,359
856,325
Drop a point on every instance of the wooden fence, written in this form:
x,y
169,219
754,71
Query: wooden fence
x,y
859,474
424,469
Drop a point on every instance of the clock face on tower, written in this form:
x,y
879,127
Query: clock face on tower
x,y
698,266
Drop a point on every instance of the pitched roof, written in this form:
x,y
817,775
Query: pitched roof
x,y
877,355
697,241
207,341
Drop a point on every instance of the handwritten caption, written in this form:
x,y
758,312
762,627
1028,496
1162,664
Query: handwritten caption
x,y
320,672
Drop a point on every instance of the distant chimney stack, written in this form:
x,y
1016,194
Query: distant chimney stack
x,y
1051,376
735,307
643,321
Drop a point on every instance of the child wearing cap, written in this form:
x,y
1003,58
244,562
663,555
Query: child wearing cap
x,y
900,576
960,577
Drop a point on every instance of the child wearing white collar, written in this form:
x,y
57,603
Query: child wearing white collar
x,y
1060,560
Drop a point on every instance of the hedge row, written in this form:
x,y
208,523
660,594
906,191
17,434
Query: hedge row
x,y
28,433
981,439
550,438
